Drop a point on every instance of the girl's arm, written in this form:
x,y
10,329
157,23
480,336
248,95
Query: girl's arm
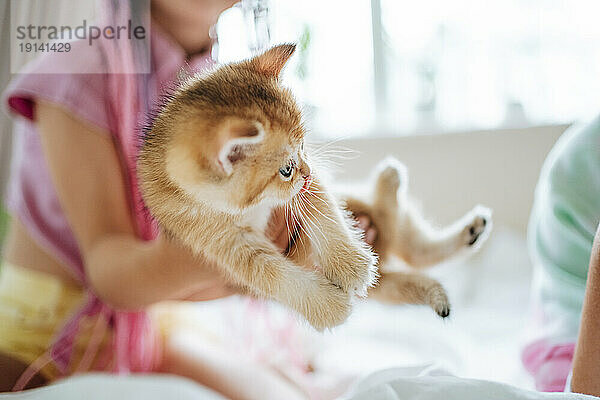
x,y
123,270
586,362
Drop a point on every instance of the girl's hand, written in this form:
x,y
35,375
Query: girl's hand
x,y
207,280
364,224
280,231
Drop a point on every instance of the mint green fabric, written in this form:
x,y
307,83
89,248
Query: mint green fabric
x,y
563,224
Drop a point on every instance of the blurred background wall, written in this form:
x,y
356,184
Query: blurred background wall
x,y
450,173
470,96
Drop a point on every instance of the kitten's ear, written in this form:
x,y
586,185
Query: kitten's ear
x,y
272,61
235,140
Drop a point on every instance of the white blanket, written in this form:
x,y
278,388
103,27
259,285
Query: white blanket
x,y
481,340
393,384
402,384
111,387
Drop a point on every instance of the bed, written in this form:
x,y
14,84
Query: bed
x,y
389,352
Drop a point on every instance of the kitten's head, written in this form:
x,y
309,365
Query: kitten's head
x,y
235,135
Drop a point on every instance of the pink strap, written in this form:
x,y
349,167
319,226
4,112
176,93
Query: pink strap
x,y
136,343
32,370
62,349
98,333
549,363
64,352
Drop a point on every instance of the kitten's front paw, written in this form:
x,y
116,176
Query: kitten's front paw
x,y
354,271
328,307
477,231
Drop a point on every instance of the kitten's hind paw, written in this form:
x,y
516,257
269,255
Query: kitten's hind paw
x,y
477,231
438,300
391,176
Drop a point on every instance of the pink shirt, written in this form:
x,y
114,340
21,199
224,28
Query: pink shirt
x,y
32,197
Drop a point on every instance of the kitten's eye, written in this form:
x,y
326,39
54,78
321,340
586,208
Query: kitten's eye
x,y
286,172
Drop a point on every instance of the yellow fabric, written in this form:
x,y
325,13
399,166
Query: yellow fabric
x,y
34,306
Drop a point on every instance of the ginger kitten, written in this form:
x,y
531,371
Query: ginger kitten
x,y
225,149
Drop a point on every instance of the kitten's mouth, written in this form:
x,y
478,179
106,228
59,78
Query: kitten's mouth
x,y
307,182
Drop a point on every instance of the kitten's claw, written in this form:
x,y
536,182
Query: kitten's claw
x,y
438,300
443,311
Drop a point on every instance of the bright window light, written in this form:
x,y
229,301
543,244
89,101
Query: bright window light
x,y
387,67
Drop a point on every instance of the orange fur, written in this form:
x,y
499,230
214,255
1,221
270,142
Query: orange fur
x,y
210,173
404,233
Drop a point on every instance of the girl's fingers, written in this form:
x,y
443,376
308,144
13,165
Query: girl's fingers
x,y
279,230
364,224
370,235
282,241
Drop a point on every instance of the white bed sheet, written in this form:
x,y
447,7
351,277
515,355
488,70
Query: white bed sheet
x,y
482,339
431,384
394,384
387,345
111,387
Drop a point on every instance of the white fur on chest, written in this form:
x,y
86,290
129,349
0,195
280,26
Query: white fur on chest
x,y
257,217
